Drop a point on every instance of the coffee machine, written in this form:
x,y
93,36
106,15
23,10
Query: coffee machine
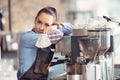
x,y
83,49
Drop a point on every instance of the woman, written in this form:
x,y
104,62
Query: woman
x,y
45,22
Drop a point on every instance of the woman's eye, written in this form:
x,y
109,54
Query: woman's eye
x,y
39,22
47,25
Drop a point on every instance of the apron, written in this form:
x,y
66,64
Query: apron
x,y
39,69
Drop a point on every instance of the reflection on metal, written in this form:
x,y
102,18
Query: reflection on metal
x,y
76,72
65,45
89,46
79,32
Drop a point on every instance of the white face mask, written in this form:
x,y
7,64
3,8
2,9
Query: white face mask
x,y
43,41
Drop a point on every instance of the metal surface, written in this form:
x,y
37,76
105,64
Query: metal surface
x,y
64,46
69,42
89,47
78,43
79,32
74,77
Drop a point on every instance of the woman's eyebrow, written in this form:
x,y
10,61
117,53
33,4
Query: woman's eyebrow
x,y
47,24
54,24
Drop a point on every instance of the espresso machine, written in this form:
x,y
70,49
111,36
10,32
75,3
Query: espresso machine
x,y
89,52
85,48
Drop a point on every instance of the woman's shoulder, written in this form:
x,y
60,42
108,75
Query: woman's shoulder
x,y
28,38
29,35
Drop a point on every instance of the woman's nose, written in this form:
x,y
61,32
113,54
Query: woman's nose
x,y
42,27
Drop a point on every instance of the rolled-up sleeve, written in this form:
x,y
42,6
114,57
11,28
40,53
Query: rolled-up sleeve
x,y
55,36
67,29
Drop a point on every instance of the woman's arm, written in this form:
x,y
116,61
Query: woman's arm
x,y
55,36
67,28
60,30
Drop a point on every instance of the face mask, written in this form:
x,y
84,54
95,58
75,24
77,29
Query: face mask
x,y
43,41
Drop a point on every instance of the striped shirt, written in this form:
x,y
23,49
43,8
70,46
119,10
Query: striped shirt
x,y
55,36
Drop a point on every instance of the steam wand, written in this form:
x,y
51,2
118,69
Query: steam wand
x,y
108,19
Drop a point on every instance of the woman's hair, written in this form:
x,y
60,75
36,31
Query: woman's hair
x,y
49,10
1,15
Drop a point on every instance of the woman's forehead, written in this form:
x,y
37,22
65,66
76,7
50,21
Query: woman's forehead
x,y
44,17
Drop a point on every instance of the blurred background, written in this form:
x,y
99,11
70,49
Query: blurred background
x,y
17,16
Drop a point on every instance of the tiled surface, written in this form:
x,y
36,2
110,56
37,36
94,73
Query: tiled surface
x,y
8,68
10,75
7,71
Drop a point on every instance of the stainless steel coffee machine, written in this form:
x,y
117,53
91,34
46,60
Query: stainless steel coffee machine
x,y
84,48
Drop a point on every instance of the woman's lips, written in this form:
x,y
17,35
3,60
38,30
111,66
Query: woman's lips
x,y
40,31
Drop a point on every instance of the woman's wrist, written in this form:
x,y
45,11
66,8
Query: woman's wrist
x,y
59,26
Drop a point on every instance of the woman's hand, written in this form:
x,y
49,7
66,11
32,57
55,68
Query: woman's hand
x,y
50,28
53,27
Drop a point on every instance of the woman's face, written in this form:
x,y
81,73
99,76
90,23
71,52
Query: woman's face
x,y
43,21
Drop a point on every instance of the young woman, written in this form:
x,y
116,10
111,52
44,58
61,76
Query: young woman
x,y
30,66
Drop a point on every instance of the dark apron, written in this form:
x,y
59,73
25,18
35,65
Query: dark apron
x,y
39,69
